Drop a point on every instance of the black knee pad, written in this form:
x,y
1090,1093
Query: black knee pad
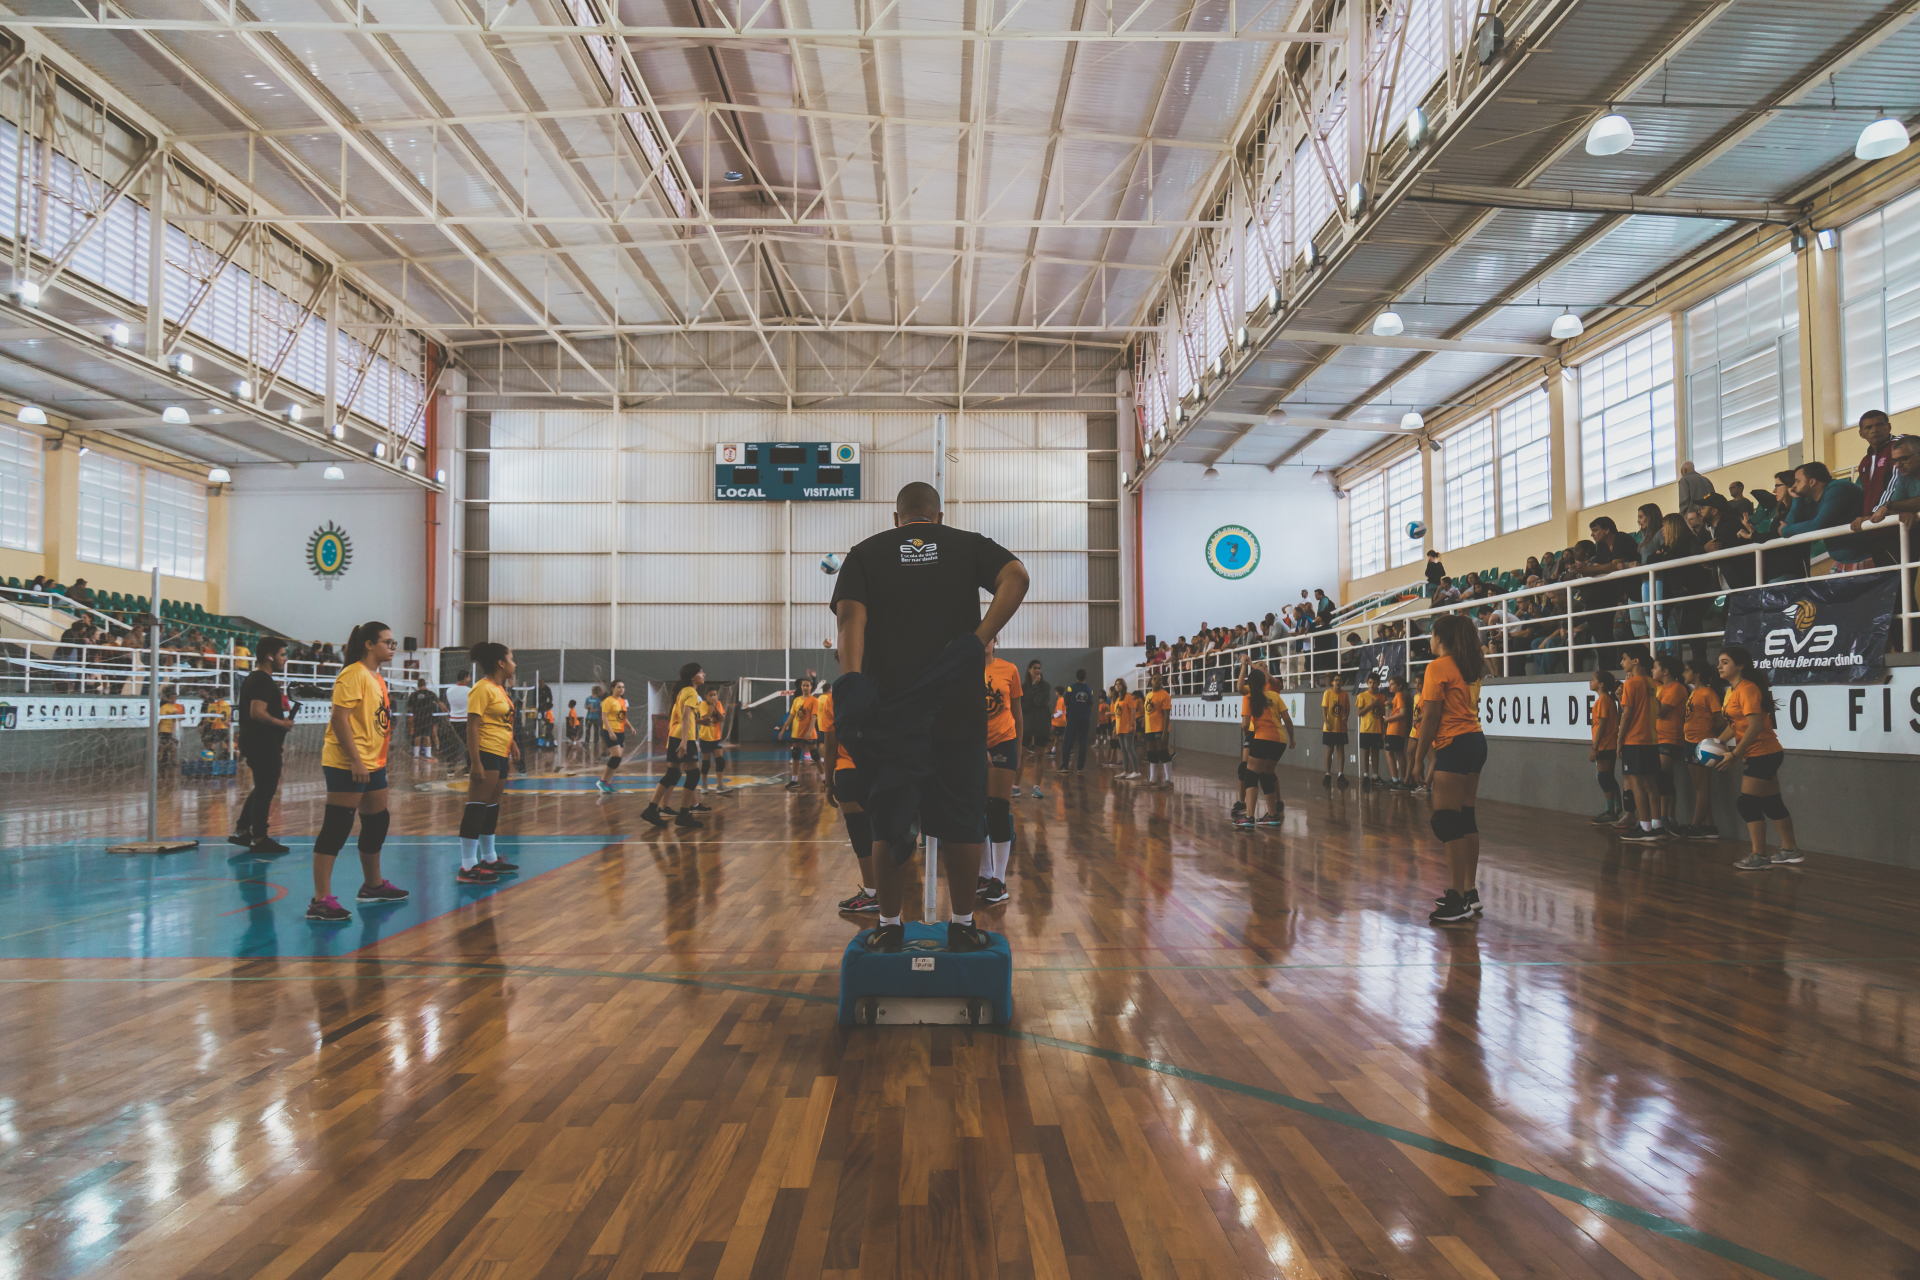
x,y
1472,823
1774,806
490,820
1248,778
373,830
1609,784
613,762
1626,799
999,820
1751,808
1663,780
472,818
859,832
336,824
671,778
1268,783
1449,825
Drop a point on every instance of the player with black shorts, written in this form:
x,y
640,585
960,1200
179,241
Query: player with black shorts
x,y
613,714
683,754
1263,713
713,751
491,752
1005,712
1335,706
901,597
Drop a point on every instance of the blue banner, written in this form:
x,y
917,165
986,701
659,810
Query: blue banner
x,y
1828,631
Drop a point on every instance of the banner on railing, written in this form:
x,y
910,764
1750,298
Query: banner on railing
x,y
1875,719
115,713
1828,631
1383,658
1225,708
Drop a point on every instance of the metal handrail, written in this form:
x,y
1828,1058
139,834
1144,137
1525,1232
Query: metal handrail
x,y
1316,657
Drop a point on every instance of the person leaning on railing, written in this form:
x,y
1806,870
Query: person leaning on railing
x,y
1820,502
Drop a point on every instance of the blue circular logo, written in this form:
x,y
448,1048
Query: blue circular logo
x,y
844,453
1233,551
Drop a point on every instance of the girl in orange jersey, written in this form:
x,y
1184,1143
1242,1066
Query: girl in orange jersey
x,y
1670,717
1399,724
1749,708
1263,713
1450,733
1702,722
1606,744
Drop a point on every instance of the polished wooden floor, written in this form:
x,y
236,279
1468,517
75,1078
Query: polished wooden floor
x,y
1234,1055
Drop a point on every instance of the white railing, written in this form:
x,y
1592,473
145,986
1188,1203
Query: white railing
x,y
36,668
1575,638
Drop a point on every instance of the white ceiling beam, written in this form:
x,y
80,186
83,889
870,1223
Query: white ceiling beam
x,y
522,32
455,221
1558,200
1312,424
1411,342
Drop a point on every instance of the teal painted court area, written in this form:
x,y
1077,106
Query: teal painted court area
x,y
75,901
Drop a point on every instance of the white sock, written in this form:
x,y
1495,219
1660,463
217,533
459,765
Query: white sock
x,y
868,890
966,919
889,919
1002,854
486,848
469,852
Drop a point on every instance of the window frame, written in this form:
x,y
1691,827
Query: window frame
x,y
1373,489
23,484
1662,462
1483,470
98,502
1707,380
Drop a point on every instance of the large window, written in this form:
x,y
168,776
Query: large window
x,y
1367,526
1743,369
1626,417
175,526
1467,457
1406,482
109,511
20,488
1880,308
1525,429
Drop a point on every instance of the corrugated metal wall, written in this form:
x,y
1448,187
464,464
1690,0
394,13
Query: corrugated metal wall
x,y
593,529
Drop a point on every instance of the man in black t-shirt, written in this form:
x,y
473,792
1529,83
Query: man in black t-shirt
x,y
899,598
1612,552
265,717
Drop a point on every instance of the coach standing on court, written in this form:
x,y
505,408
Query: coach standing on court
x,y
265,718
901,598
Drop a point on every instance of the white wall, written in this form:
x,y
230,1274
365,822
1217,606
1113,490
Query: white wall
x,y
1292,518
272,513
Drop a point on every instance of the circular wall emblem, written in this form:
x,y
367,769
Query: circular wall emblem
x,y
1233,551
845,453
329,552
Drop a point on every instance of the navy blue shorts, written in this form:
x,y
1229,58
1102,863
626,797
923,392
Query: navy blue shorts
x,y
950,804
711,749
615,741
1465,754
1766,768
848,788
1261,749
1332,739
1005,755
684,751
1673,750
494,764
341,780
1639,759
1371,741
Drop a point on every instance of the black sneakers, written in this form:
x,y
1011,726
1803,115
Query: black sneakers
x,y
965,937
886,937
993,893
266,844
1472,896
242,838
687,822
652,814
1453,908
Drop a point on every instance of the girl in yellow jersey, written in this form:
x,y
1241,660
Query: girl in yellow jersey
x,y
1399,725
713,752
1263,713
491,752
613,716
1336,704
1158,709
683,753
1749,709
803,729
1450,733
1371,706
354,761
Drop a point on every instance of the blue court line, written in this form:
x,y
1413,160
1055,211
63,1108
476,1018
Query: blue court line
x,y
1605,1206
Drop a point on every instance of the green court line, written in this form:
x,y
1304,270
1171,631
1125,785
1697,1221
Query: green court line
x,y
1605,1206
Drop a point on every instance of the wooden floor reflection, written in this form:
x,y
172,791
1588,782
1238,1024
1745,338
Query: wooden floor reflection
x,y
1235,1055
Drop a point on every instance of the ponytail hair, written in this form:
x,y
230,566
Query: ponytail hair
x,y
1703,672
1744,660
1256,683
362,636
487,656
1609,683
687,673
1462,638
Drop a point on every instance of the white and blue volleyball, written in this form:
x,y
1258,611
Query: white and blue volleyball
x,y
829,564
1710,752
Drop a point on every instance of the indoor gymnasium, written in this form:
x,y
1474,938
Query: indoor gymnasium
x,y
994,639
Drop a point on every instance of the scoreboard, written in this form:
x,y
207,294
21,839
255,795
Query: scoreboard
x,y
805,471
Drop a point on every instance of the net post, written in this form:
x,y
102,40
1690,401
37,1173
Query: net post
x,y
932,896
153,709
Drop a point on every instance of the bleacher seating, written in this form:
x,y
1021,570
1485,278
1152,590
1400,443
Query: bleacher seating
x,y
129,610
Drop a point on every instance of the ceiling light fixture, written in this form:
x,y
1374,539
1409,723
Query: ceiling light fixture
x,y
26,293
181,363
32,415
1321,477
1123,479
408,462
119,335
1825,238
440,476
243,390
1310,256
733,175
339,432
333,472
1356,201
1276,417
379,448
1273,300
1241,338
293,413
219,475
174,415
1412,421
1884,137
1611,134
85,450
1416,130
1211,473
1388,325
1567,325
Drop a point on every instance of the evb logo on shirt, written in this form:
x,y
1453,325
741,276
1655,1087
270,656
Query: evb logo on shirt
x,y
917,551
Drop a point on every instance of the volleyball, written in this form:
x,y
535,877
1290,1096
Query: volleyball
x,y
1417,529
829,564
1709,752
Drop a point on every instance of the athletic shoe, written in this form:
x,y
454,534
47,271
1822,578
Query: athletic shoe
x,y
652,814
1626,819
1473,899
1452,909
1016,792
885,937
1605,818
242,838
993,893
860,901
603,786
499,866
1788,857
1644,836
1753,862
794,785
1239,808
1243,823
964,938
475,875
328,909
668,810
699,808
687,822
1037,793
267,844
723,791
1270,819
1343,782
1326,780
1703,833
385,891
